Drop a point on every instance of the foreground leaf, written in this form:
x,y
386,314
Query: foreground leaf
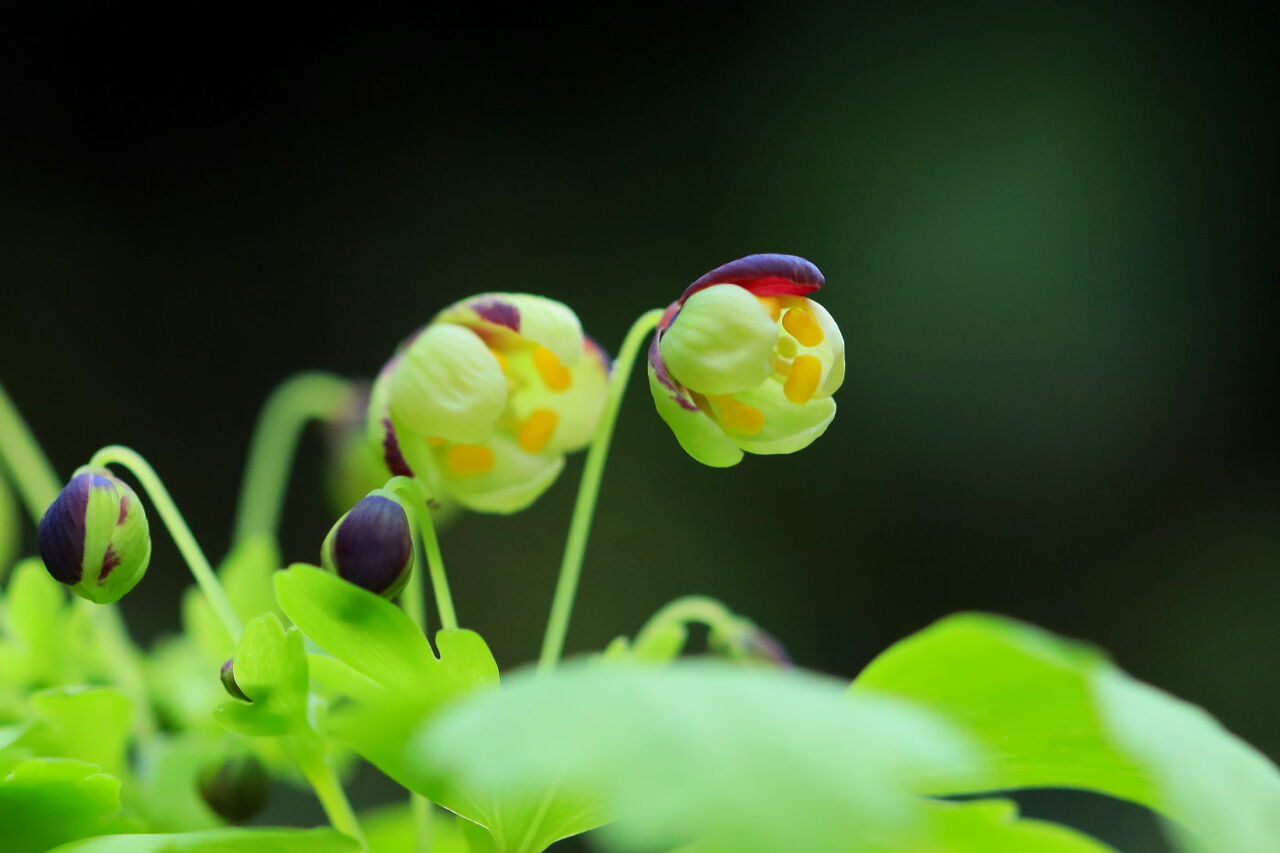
x,y
1053,713
89,724
47,801
751,759
220,841
271,669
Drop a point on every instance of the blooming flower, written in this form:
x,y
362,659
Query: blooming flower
x,y
745,361
94,537
483,402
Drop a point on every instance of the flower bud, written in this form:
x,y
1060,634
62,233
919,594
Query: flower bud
x,y
228,677
483,403
235,787
745,361
372,546
94,536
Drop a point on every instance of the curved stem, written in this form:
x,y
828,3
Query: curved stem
x,y
589,490
413,490
691,608
311,760
26,462
291,406
178,529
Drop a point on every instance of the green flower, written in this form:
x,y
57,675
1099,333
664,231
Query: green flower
x,y
745,361
483,402
94,536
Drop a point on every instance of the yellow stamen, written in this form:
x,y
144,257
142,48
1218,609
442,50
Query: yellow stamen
x,y
502,359
803,327
536,430
806,373
739,418
772,305
469,460
436,441
554,374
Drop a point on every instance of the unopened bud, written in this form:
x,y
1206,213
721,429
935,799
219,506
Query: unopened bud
x,y
236,787
372,545
228,676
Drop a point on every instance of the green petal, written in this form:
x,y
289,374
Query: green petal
x,y
516,319
448,384
830,351
721,342
787,427
701,437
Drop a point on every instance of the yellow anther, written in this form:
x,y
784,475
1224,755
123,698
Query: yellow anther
x,y
781,365
436,441
739,418
806,373
469,460
502,359
554,374
772,305
803,327
536,430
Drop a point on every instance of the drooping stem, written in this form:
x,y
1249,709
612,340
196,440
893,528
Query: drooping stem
x,y
589,490
690,608
178,529
417,498
307,751
292,405
21,454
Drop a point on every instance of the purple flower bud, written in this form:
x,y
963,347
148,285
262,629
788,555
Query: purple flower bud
x,y
372,545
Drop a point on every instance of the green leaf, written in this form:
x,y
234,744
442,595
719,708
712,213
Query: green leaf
x,y
1053,713
220,841
47,801
753,759
166,790
993,826
391,829
271,668
89,724
34,650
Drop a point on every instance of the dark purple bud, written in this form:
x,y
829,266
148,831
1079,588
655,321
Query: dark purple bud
x,y
372,546
767,274
60,538
228,677
235,787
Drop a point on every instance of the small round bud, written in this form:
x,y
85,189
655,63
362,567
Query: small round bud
x,y
228,676
94,536
372,545
235,787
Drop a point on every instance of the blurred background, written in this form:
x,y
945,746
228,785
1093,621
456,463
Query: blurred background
x,y
1048,230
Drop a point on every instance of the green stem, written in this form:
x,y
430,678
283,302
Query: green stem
x,y
417,498
691,608
588,491
27,464
292,405
178,529
311,760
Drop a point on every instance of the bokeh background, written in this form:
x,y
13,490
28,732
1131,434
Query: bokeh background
x,y
1049,232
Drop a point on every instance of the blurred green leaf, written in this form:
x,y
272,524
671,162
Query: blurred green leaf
x,y
34,649
165,791
993,826
750,759
391,830
10,536
1053,713
271,668
220,841
89,724
47,801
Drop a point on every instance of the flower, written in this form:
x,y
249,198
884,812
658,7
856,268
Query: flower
x,y
372,545
483,402
94,536
745,361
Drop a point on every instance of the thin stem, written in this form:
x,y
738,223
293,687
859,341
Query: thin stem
x,y
178,529
588,491
311,760
27,464
292,405
691,608
417,498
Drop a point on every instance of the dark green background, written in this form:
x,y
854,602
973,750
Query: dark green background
x,y
1049,233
